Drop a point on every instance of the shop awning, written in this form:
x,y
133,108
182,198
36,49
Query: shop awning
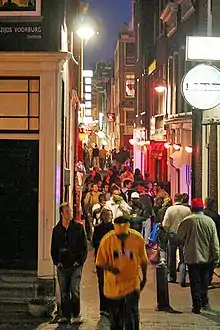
x,y
158,150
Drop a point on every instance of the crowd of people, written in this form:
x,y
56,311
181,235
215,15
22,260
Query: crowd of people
x,y
128,216
103,159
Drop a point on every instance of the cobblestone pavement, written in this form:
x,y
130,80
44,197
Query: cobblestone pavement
x,y
181,319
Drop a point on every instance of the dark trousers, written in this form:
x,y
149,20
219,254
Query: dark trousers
x,y
88,226
124,313
69,282
175,244
199,282
103,301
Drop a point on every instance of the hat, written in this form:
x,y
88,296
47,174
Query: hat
x,y
197,204
135,195
121,220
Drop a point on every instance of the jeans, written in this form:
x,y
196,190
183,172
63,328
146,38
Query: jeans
x,y
88,226
199,282
69,282
124,312
175,244
103,301
96,162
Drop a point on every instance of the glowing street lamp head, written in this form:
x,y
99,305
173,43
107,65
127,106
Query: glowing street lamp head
x,y
160,86
85,32
160,89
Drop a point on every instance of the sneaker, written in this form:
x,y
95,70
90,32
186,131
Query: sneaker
x,y
63,320
196,310
77,320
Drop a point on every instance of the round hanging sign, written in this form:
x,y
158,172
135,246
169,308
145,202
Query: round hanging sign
x,y
201,87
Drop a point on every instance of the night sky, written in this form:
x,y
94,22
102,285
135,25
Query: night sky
x,y
111,15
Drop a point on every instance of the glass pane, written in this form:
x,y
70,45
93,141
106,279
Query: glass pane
x,y
11,85
34,105
13,104
88,81
34,85
14,123
33,124
88,88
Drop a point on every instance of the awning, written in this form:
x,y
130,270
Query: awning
x,y
158,150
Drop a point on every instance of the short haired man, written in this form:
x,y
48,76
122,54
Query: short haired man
x,y
173,217
201,249
117,204
69,252
121,254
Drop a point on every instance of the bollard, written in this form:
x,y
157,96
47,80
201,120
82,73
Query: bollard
x,y
163,303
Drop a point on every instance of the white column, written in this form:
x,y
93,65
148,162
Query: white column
x,y
50,163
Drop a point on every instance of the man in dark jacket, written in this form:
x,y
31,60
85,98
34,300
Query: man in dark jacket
x,y
100,231
210,211
69,252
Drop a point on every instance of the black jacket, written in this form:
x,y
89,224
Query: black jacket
x,y
69,245
216,218
99,232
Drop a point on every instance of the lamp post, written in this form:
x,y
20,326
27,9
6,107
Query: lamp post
x,y
84,28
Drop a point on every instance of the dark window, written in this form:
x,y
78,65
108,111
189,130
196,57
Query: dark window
x,y
19,104
129,118
130,53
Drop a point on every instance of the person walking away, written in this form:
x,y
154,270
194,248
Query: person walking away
x,y
117,205
114,153
201,249
95,156
99,232
162,237
146,203
172,219
138,214
98,176
92,198
127,175
126,191
102,158
97,208
69,252
138,177
210,211
86,158
121,255
185,200
161,192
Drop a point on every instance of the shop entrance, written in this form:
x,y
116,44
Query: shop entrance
x,y
19,173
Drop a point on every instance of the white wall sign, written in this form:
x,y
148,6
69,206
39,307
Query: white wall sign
x,y
201,87
202,48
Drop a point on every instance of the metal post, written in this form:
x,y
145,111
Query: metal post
x,y
81,69
209,18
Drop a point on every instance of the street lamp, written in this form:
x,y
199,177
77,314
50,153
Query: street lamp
x,y
160,86
85,30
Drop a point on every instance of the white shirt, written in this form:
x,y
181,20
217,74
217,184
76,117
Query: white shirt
x,y
117,209
174,216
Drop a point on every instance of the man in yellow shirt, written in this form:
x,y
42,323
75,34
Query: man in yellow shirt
x,y
121,254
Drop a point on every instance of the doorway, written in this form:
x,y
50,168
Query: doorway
x,y
19,173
